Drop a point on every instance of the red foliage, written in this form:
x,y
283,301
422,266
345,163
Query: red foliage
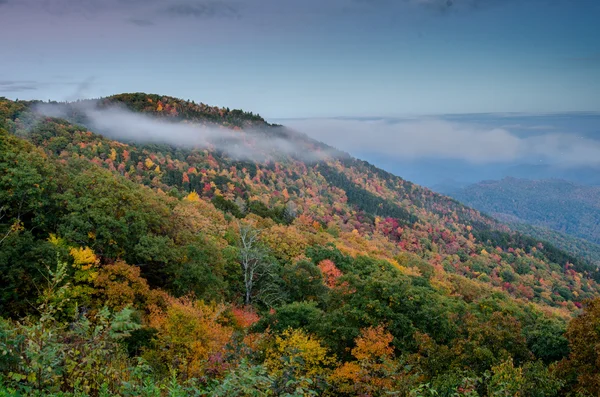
x,y
330,272
244,317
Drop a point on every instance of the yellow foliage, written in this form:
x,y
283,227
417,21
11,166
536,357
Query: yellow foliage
x,y
299,352
193,196
54,240
286,242
191,217
192,331
157,169
148,163
159,108
113,154
409,271
441,284
83,257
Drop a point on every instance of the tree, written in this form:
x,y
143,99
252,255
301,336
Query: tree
x,y
583,363
298,355
190,333
256,266
374,370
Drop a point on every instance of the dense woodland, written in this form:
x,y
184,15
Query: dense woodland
x,y
578,246
139,269
555,204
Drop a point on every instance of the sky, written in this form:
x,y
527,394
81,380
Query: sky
x,y
310,58
448,151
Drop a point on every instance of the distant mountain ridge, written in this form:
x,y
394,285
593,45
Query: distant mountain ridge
x,y
560,205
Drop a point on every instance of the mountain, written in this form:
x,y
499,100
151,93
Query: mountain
x,y
563,206
151,244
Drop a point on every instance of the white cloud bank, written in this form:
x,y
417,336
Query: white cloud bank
x,y
124,125
435,138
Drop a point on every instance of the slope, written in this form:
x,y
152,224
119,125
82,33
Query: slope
x,y
307,260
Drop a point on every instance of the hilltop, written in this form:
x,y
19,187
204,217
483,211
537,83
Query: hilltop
x,y
278,244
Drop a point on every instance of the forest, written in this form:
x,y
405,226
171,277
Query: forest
x,y
556,204
147,269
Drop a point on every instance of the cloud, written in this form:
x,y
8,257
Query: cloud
x,y
435,139
18,85
203,9
437,5
445,7
407,139
82,89
140,22
541,127
257,145
141,10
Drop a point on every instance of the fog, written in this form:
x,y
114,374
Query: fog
x,y
431,138
250,144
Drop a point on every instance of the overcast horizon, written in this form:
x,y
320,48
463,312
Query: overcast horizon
x,y
343,58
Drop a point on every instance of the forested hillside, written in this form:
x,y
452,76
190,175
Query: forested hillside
x,y
577,246
553,203
137,268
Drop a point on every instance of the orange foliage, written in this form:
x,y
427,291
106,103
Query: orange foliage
x,y
120,285
374,371
244,317
373,344
330,272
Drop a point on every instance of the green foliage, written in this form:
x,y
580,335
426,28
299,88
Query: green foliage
x,y
295,315
46,355
245,381
364,200
303,282
226,302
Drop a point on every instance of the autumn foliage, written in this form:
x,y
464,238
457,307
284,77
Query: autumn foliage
x,y
146,269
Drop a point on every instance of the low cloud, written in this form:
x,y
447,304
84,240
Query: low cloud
x,y
256,145
18,85
140,22
408,139
141,9
435,139
203,9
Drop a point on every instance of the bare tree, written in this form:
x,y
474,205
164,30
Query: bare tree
x,y
259,271
251,257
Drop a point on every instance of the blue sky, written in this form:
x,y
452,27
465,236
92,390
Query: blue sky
x,y
286,58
